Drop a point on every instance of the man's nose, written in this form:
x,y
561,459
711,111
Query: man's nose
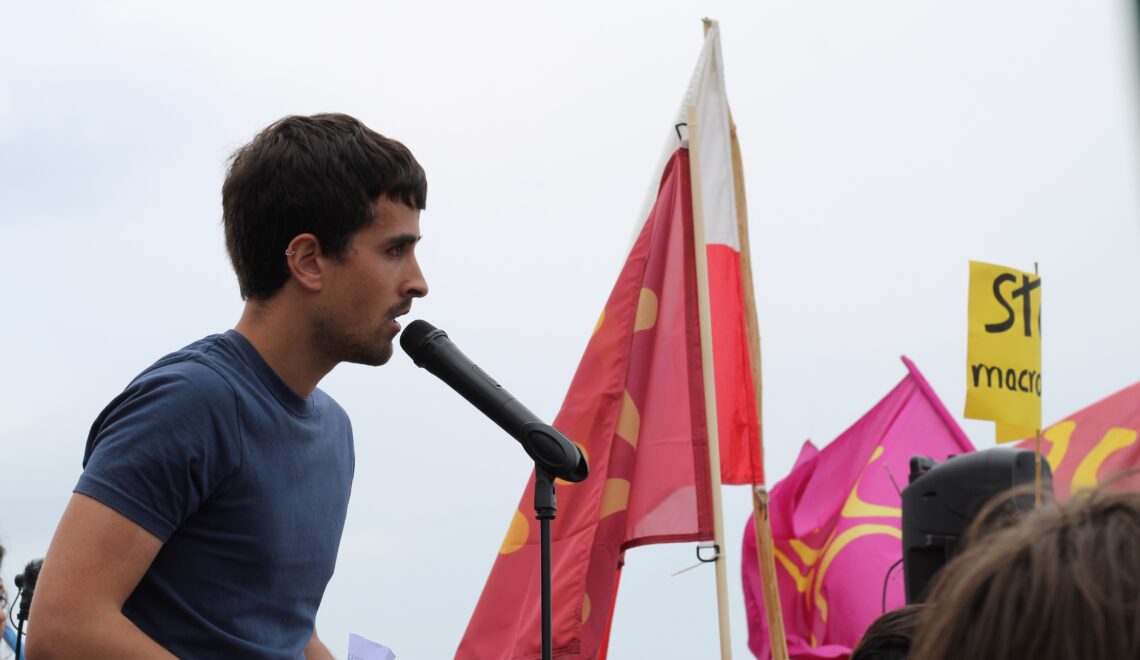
x,y
415,286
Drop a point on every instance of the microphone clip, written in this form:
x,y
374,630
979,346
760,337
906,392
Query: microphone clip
x,y
553,452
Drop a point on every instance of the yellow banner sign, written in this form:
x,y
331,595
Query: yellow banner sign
x,y
1003,356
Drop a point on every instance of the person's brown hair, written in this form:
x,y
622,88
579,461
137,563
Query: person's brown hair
x,y
318,175
890,636
1062,583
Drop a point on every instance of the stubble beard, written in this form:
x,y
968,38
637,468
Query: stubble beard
x,y
341,347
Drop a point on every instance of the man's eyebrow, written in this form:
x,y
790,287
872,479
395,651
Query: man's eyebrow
x,y
402,239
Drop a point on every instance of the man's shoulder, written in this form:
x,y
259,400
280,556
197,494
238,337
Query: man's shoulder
x,y
197,380
166,442
200,371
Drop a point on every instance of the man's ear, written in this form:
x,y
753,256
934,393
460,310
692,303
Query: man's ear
x,y
303,257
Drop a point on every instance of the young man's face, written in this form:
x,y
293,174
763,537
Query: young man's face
x,y
374,284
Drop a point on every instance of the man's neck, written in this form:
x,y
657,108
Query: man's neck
x,y
283,343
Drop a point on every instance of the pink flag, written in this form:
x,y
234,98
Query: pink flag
x,y
836,522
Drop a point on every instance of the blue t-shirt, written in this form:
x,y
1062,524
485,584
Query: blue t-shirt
x,y
245,483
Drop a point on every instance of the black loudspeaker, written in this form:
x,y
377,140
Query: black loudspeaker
x,y
942,499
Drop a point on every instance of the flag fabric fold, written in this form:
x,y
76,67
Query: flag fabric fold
x,y
836,524
636,407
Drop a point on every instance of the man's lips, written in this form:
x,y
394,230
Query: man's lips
x,y
392,317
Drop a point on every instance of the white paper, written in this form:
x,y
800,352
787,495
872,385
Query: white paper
x,y
360,648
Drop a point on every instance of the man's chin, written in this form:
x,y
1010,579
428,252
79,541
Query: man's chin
x,y
375,356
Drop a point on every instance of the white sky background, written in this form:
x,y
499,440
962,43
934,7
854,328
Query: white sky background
x,y
885,145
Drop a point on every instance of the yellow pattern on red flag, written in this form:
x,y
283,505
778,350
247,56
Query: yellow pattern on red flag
x,y
1095,445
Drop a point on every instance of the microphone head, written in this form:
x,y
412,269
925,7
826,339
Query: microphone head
x,y
415,337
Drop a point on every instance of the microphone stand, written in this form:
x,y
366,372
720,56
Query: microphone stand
x,y
544,510
553,453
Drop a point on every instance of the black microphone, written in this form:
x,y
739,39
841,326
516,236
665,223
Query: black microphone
x,y
26,583
429,347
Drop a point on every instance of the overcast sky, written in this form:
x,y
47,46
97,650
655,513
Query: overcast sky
x,y
885,145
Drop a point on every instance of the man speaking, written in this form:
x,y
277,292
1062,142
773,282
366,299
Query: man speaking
x,y
208,516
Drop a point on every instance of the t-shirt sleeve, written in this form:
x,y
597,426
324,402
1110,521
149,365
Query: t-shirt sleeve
x,y
162,448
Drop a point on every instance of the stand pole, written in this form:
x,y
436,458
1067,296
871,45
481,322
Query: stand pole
x,y
10,640
1037,444
545,507
1037,470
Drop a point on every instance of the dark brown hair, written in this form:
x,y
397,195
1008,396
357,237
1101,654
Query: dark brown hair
x,y
318,174
1064,582
889,636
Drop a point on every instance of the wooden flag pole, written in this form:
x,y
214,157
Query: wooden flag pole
x,y
766,557
709,377
1037,471
1037,448
765,546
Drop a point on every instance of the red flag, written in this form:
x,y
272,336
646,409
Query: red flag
x,y
836,524
741,461
636,408
1091,446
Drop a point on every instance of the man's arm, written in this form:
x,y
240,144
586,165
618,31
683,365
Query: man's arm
x,y
316,650
95,561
